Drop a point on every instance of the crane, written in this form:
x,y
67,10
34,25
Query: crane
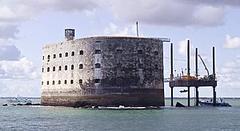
x,y
204,65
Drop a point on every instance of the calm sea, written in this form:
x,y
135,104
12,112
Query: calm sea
x,y
34,118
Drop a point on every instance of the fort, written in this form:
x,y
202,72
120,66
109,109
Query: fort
x,y
103,71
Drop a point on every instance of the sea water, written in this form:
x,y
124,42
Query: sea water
x,y
34,118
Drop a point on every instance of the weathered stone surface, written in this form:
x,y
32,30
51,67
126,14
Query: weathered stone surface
x,y
115,71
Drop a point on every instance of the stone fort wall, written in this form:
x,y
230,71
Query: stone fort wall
x,y
103,71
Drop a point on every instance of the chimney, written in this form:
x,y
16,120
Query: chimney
x,y
69,34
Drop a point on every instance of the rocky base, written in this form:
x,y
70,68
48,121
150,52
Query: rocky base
x,y
143,98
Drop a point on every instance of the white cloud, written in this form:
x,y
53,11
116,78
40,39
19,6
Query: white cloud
x,y
170,12
182,47
19,87
115,30
9,52
209,15
229,74
13,12
19,69
232,42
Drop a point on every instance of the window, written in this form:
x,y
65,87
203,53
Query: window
x,y
155,52
48,58
53,82
72,53
48,69
119,51
54,56
60,55
42,57
72,67
80,81
140,52
97,51
54,68
47,82
42,82
42,69
59,82
97,65
66,54
71,81
59,68
140,66
97,80
81,52
80,66
65,81
156,66
65,67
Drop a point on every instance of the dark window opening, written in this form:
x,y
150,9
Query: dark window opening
x,y
155,52
72,53
97,51
66,54
48,69
97,65
54,56
65,81
81,52
119,64
43,58
80,81
72,67
48,58
140,52
59,68
71,81
54,68
59,82
53,82
42,69
119,51
156,66
42,82
65,67
47,82
80,66
97,80
140,66
60,55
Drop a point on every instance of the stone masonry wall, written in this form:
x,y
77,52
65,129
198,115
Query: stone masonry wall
x,y
102,66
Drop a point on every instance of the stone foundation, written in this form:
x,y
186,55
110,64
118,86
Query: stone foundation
x,y
137,97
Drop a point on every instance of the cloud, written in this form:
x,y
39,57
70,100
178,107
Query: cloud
x,y
182,47
14,12
15,66
8,31
170,12
232,42
215,2
19,87
115,30
9,52
229,73
19,69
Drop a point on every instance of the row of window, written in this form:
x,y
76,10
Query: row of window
x,y
97,65
65,82
96,52
80,81
66,55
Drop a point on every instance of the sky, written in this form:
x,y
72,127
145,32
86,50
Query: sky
x,y
27,25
